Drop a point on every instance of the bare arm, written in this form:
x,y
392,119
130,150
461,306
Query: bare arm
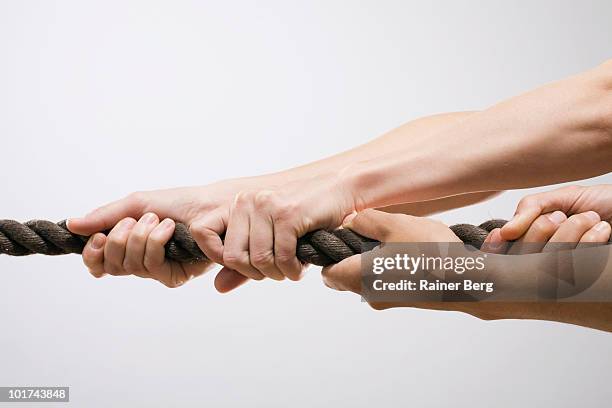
x,y
559,132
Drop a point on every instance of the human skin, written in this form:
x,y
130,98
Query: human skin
x,y
558,132
570,200
582,229
134,247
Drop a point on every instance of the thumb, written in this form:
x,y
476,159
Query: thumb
x,y
228,280
370,223
105,217
532,206
345,275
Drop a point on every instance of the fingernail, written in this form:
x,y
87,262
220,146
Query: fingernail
x,y
148,218
602,226
557,217
593,216
125,224
97,242
347,220
167,223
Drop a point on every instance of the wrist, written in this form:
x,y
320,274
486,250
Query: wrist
x,y
409,176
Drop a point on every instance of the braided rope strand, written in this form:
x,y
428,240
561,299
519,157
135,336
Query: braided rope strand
x,y
318,248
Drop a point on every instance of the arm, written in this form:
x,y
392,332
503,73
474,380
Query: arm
x,y
559,132
556,133
136,247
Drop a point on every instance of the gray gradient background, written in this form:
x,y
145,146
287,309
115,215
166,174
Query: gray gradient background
x,y
98,99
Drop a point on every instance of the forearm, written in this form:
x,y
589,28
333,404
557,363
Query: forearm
x,y
557,133
397,139
430,207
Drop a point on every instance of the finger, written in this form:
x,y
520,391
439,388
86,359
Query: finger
x,y
530,207
599,234
345,275
105,217
285,243
228,279
171,274
114,250
538,234
261,246
370,223
207,232
135,249
569,233
494,243
155,253
521,221
236,245
93,255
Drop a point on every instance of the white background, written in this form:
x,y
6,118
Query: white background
x,y
101,98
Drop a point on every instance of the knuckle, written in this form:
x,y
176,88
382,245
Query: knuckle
x,y
589,237
284,211
242,198
171,284
528,201
264,198
115,241
578,220
96,274
137,198
233,259
276,276
283,258
294,275
138,236
262,259
153,240
198,231
543,226
378,306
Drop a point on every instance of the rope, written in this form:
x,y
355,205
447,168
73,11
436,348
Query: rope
x,y
319,247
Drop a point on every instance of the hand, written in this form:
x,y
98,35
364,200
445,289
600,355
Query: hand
x,y
550,232
569,200
383,227
346,275
137,248
264,226
205,210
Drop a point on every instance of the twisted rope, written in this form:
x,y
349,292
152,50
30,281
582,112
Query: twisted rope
x,y
319,247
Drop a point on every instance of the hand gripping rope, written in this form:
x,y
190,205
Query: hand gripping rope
x,y
319,247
